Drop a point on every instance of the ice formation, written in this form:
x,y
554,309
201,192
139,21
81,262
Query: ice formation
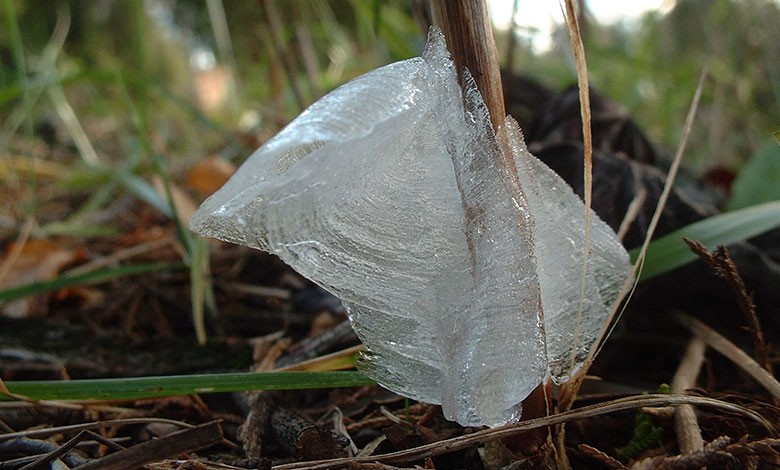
x,y
455,251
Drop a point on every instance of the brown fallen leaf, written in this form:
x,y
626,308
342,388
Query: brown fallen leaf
x,y
38,260
209,175
183,203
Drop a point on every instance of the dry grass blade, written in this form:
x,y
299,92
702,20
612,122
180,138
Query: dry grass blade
x,y
732,352
632,212
587,138
119,255
723,266
670,177
462,442
338,360
91,425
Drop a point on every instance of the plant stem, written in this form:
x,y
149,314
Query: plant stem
x,y
466,25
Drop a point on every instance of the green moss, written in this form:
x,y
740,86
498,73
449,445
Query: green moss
x,y
646,434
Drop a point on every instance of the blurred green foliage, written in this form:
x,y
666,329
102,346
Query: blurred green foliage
x,y
651,67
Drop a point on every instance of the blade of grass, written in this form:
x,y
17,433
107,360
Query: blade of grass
x,y
670,252
74,228
46,64
759,180
93,277
15,37
163,386
198,283
144,191
197,249
72,124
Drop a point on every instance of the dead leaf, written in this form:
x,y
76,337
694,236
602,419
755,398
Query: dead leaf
x,y
183,203
38,260
209,175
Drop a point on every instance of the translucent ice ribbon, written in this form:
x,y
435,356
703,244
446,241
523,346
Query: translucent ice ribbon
x,y
454,250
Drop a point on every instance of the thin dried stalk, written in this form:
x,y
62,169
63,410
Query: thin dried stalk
x,y
466,25
685,424
627,286
732,352
632,213
587,138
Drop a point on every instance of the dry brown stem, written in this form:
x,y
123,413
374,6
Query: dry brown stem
x,y
732,352
685,424
466,25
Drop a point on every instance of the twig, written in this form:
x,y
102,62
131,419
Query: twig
x,y
120,255
685,424
328,362
732,352
723,266
462,442
26,445
311,348
260,291
173,444
56,453
303,438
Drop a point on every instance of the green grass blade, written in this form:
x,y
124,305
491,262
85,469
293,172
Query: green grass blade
x,y
70,228
164,386
198,285
759,180
93,277
144,191
670,251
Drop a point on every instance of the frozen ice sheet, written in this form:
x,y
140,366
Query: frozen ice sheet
x,y
393,193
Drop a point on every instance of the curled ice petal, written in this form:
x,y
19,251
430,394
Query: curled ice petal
x,y
572,321
393,193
